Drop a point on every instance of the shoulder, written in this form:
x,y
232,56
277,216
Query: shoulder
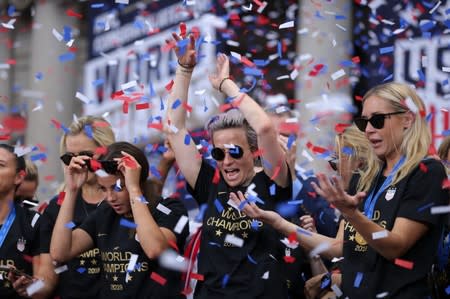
x,y
430,168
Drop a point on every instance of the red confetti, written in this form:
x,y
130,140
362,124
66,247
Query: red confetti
x,y
129,162
216,176
183,30
95,165
358,98
28,258
292,237
356,59
247,62
169,86
446,184
56,123
404,264
174,245
100,124
157,126
11,61
60,199
316,69
423,168
5,137
158,278
187,107
125,107
72,13
276,172
101,150
289,259
197,276
340,128
142,106
48,178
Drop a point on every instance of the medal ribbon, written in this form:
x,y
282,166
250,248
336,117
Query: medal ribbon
x,y
7,225
369,205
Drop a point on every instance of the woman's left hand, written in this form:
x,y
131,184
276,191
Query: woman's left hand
x,y
131,171
222,70
333,191
20,283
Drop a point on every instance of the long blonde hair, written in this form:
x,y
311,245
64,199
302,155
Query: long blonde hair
x,y
416,139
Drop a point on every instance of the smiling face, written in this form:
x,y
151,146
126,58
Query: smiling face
x,y
386,142
81,143
116,193
236,172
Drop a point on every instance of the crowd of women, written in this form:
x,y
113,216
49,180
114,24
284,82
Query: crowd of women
x,y
105,233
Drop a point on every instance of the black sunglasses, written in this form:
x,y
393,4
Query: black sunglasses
x,y
377,120
109,166
67,157
334,161
219,154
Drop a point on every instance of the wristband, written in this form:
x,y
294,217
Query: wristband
x,y
186,66
221,82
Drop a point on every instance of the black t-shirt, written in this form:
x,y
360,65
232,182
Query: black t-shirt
x,y
117,244
253,270
82,279
410,198
20,245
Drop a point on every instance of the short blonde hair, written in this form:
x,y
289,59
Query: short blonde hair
x,y
102,134
357,141
416,139
31,171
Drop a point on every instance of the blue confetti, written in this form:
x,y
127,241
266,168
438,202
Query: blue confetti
x,y
37,157
201,213
358,279
67,33
176,104
66,57
386,50
225,279
127,223
70,225
214,244
429,117
272,189
81,270
251,259
242,204
152,90
447,290
425,207
297,186
295,202
218,205
187,139
255,224
98,82
155,172
388,78
421,75
88,131
446,133
291,140
11,10
286,210
97,5
161,104
347,150
39,76
279,50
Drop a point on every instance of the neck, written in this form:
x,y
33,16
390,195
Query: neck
x,y
5,206
390,163
91,193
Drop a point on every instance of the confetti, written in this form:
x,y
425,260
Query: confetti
x,y
181,224
232,239
34,287
289,24
70,225
127,223
156,277
82,97
404,264
61,269
132,262
338,74
440,209
379,235
163,209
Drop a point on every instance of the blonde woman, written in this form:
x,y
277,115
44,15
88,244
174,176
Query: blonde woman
x,y
389,236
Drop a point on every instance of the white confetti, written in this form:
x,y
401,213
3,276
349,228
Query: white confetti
x,y
181,224
10,24
61,269
35,287
440,210
173,129
336,290
336,75
232,43
82,97
379,235
122,1
411,106
128,85
132,262
341,27
289,24
283,77
261,7
163,209
169,259
36,216
57,35
446,69
294,74
265,275
232,239
236,55
319,249
435,7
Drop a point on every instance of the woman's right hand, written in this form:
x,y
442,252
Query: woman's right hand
x,y
186,54
312,286
307,222
76,173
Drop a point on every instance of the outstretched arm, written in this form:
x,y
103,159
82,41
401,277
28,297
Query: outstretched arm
x,y
274,159
308,240
186,155
399,240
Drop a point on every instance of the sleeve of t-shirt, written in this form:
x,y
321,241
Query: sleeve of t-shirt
x,y
423,191
170,220
47,222
89,225
202,185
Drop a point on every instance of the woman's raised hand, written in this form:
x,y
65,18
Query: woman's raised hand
x,y
222,71
77,172
333,191
131,171
184,47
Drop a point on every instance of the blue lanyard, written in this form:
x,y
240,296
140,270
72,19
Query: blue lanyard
x,y
7,225
369,205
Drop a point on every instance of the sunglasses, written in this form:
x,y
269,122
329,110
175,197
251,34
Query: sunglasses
x,y
334,163
109,166
376,121
219,154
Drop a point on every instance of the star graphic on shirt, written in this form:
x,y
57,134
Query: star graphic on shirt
x,y
115,278
129,278
81,262
93,262
352,237
244,235
218,232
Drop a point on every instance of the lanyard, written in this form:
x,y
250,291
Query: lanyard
x,y
369,205
7,225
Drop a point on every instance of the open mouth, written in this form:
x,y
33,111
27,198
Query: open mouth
x,y
231,174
